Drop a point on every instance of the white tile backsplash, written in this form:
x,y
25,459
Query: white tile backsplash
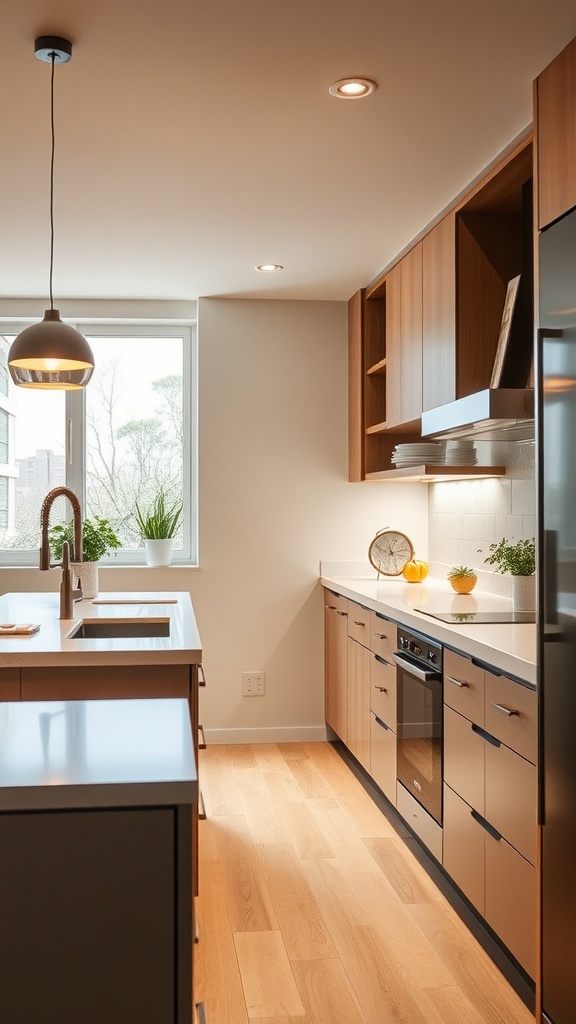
x,y
466,516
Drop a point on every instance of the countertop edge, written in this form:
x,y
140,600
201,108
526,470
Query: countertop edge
x,y
459,637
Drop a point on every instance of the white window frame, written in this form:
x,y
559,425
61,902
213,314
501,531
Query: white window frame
x,y
75,434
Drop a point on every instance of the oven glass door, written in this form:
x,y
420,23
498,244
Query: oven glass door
x,y
420,736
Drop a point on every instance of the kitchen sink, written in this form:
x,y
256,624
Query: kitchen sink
x,y
107,629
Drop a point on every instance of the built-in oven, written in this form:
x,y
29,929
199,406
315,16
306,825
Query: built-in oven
x,y
419,719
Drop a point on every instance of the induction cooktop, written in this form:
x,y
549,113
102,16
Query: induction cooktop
x,y
469,618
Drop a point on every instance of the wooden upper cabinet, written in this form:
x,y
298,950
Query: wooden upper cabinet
x,y
404,340
439,314
355,388
555,118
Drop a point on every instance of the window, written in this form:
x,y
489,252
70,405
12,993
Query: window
x,y
130,432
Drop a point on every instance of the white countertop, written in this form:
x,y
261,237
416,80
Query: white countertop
x,y
509,647
101,753
51,646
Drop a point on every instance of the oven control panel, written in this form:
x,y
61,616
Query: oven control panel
x,y
421,648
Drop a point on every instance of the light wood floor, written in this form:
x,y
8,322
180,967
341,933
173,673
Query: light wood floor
x,y
313,911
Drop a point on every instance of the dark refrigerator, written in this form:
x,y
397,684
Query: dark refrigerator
x,y
556,474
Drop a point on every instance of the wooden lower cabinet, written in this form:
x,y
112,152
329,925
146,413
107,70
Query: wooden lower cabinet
x,y
464,753
463,856
359,665
336,663
383,743
512,900
105,682
511,799
9,684
497,880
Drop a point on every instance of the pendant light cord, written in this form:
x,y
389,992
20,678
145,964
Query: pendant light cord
x,y
53,56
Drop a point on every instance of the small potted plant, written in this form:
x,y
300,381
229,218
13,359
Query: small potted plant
x,y
462,579
98,539
519,559
158,525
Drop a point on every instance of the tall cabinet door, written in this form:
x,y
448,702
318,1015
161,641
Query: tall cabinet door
x,y
439,314
404,340
359,665
336,663
556,133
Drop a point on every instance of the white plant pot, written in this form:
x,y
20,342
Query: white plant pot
x,y
524,593
87,573
159,552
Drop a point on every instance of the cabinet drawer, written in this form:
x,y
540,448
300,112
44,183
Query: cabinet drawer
x,y
383,757
359,623
335,602
464,686
384,636
511,798
464,752
511,714
464,848
511,901
383,691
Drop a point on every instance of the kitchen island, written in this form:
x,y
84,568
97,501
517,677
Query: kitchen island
x,y
52,665
96,917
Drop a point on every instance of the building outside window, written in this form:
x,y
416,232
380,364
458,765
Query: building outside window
x,y
130,432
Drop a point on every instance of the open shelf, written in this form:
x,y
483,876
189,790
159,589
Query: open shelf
x,y
435,474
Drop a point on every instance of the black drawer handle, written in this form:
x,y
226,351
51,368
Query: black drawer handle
x,y
381,636
201,676
504,710
358,623
201,738
486,826
457,682
485,735
382,661
338,612
380,722
381,689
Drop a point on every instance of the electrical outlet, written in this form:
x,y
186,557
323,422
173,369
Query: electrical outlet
x,y
253,684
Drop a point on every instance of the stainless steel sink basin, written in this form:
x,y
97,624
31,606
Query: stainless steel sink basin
x,y
103,629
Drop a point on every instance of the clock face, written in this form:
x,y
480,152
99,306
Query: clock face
x,y
389,552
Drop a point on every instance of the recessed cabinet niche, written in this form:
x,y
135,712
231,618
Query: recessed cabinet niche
x,y
426,332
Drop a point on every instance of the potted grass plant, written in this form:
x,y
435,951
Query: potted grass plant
x,y
98,539
158,525
519,559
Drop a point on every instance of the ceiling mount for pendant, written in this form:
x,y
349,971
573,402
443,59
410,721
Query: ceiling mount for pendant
x,y
51,354
53,49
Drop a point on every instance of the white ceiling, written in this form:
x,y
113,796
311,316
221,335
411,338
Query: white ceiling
x,y
197,138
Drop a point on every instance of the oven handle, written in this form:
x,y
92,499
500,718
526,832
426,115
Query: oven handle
x,y
424,674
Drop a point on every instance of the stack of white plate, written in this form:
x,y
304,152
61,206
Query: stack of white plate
x,y
429,453
460,453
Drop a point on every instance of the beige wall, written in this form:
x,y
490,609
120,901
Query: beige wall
x,y
274,500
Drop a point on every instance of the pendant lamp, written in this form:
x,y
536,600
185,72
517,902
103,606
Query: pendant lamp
x,y
51,354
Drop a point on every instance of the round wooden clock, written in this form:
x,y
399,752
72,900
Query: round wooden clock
x,y
389,552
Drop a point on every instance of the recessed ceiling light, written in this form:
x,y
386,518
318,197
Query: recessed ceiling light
x,y
269,268
352,88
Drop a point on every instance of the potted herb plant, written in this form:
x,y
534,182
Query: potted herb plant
x,y
519,559
98,539
158,525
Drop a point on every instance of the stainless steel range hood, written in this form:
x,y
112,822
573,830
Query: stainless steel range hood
x,y
496,414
